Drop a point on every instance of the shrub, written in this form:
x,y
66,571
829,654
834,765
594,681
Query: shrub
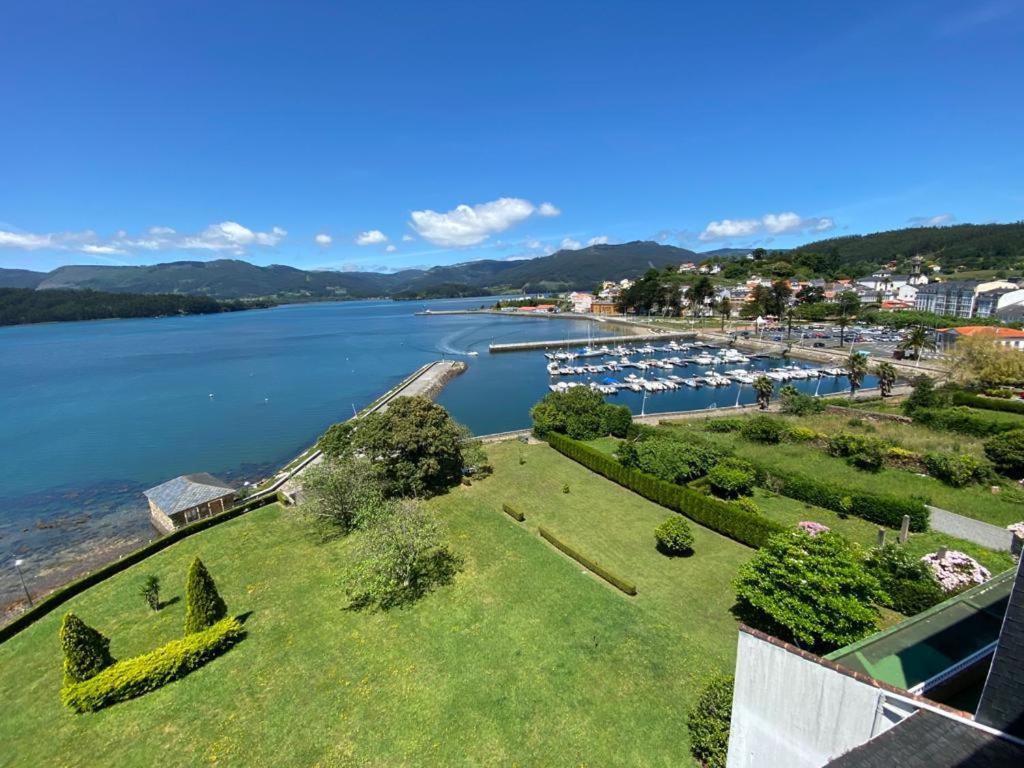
x,y
905,579
203,604
616,420
954,470
732,478
581,413
1006,451
878,508
924,396
621,584
150,592
674,536
727,424
955,570
764,429
708,722
988,403
861,451
812,589
799,403
725,518
565,488
514,513
141,674
86,651
748,505
340,495
670,458
812,528
799,434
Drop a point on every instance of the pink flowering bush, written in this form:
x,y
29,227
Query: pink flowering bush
x,y
812,528
1017,529
956,570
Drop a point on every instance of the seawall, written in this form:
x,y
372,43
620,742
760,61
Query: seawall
x,y
556,343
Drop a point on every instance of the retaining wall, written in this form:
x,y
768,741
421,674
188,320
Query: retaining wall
x,y
985,534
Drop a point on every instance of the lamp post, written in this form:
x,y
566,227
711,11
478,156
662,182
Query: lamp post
x,y
17,567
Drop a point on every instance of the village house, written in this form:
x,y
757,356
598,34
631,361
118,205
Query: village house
x,y
604,308
186,499
1007,337
581,301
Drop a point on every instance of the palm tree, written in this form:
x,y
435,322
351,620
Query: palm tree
x,y
764,388
917,340
886,373
856,367
724,308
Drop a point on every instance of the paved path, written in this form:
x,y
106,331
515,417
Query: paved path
x,y
985,534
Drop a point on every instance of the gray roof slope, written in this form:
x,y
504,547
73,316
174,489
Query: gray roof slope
x,y
928,740
1002,700
187,491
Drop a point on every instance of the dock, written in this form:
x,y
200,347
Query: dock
x,y
522,346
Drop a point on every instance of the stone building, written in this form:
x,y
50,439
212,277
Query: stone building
x,y
186,499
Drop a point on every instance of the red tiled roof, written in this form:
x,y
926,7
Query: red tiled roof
x,y
987,330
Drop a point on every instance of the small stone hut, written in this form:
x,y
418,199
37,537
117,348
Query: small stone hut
x,y
186,499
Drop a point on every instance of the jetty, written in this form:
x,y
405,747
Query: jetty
x,y
521,346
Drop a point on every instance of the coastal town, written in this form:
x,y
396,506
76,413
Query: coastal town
x,y
557,385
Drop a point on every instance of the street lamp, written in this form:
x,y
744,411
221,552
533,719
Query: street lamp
x,y
17,567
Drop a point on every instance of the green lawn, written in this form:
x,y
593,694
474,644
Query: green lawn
x,y
524,660
975,501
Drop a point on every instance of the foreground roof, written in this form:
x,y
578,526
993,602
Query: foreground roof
x,y
987,330
187,491
929,740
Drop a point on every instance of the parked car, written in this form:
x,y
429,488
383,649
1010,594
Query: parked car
x,y
819,344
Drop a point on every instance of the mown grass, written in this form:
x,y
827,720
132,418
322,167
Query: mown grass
x,y
524,659
1002,508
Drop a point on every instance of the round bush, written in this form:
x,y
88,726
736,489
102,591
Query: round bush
x,y
708,722
732,478
674,536
764,429
1006,451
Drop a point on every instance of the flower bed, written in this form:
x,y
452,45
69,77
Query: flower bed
x,y
955,570
812,528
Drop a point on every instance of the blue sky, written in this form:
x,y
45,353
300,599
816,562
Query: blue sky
x,y
434,133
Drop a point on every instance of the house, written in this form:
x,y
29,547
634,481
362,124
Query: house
x,y
1007,337
581,301
186,499
687,266
540,308
939,690
604,308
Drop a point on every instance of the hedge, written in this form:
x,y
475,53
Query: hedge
x,y
513,513
960,419
988,403
586,562
883,509
726,519
141,674
60,596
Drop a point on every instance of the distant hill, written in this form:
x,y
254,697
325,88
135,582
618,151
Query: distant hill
x,y
967,246
234,279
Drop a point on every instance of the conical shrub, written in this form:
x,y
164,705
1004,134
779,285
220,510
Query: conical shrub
x,y
203,604
86,651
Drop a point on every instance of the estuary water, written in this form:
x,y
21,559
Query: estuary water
x,y
93,413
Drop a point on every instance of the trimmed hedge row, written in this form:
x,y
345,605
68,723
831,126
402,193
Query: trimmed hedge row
x,y
514,513
960,419
60,596
988,403
883,509
141,674
586,562
726,519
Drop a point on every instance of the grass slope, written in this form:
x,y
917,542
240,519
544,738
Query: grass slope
x,y
525,659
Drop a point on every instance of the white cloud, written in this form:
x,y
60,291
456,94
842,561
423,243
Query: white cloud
x,y
467,225
547,209
227,236
787,223
390,249
407,238
371,237
323,239
571,244
103,250
939,220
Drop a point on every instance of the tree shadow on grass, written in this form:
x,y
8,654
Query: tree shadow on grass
x,y
436,569
168,603
672,552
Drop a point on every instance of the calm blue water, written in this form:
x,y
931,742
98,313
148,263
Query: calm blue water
x,y
93,413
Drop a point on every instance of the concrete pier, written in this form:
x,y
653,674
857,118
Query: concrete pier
x,y
625,338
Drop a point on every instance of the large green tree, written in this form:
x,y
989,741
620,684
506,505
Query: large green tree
x,y
414,447
813,590
579,412
204,606
340,495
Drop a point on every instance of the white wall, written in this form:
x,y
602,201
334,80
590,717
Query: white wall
x,y
790,712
